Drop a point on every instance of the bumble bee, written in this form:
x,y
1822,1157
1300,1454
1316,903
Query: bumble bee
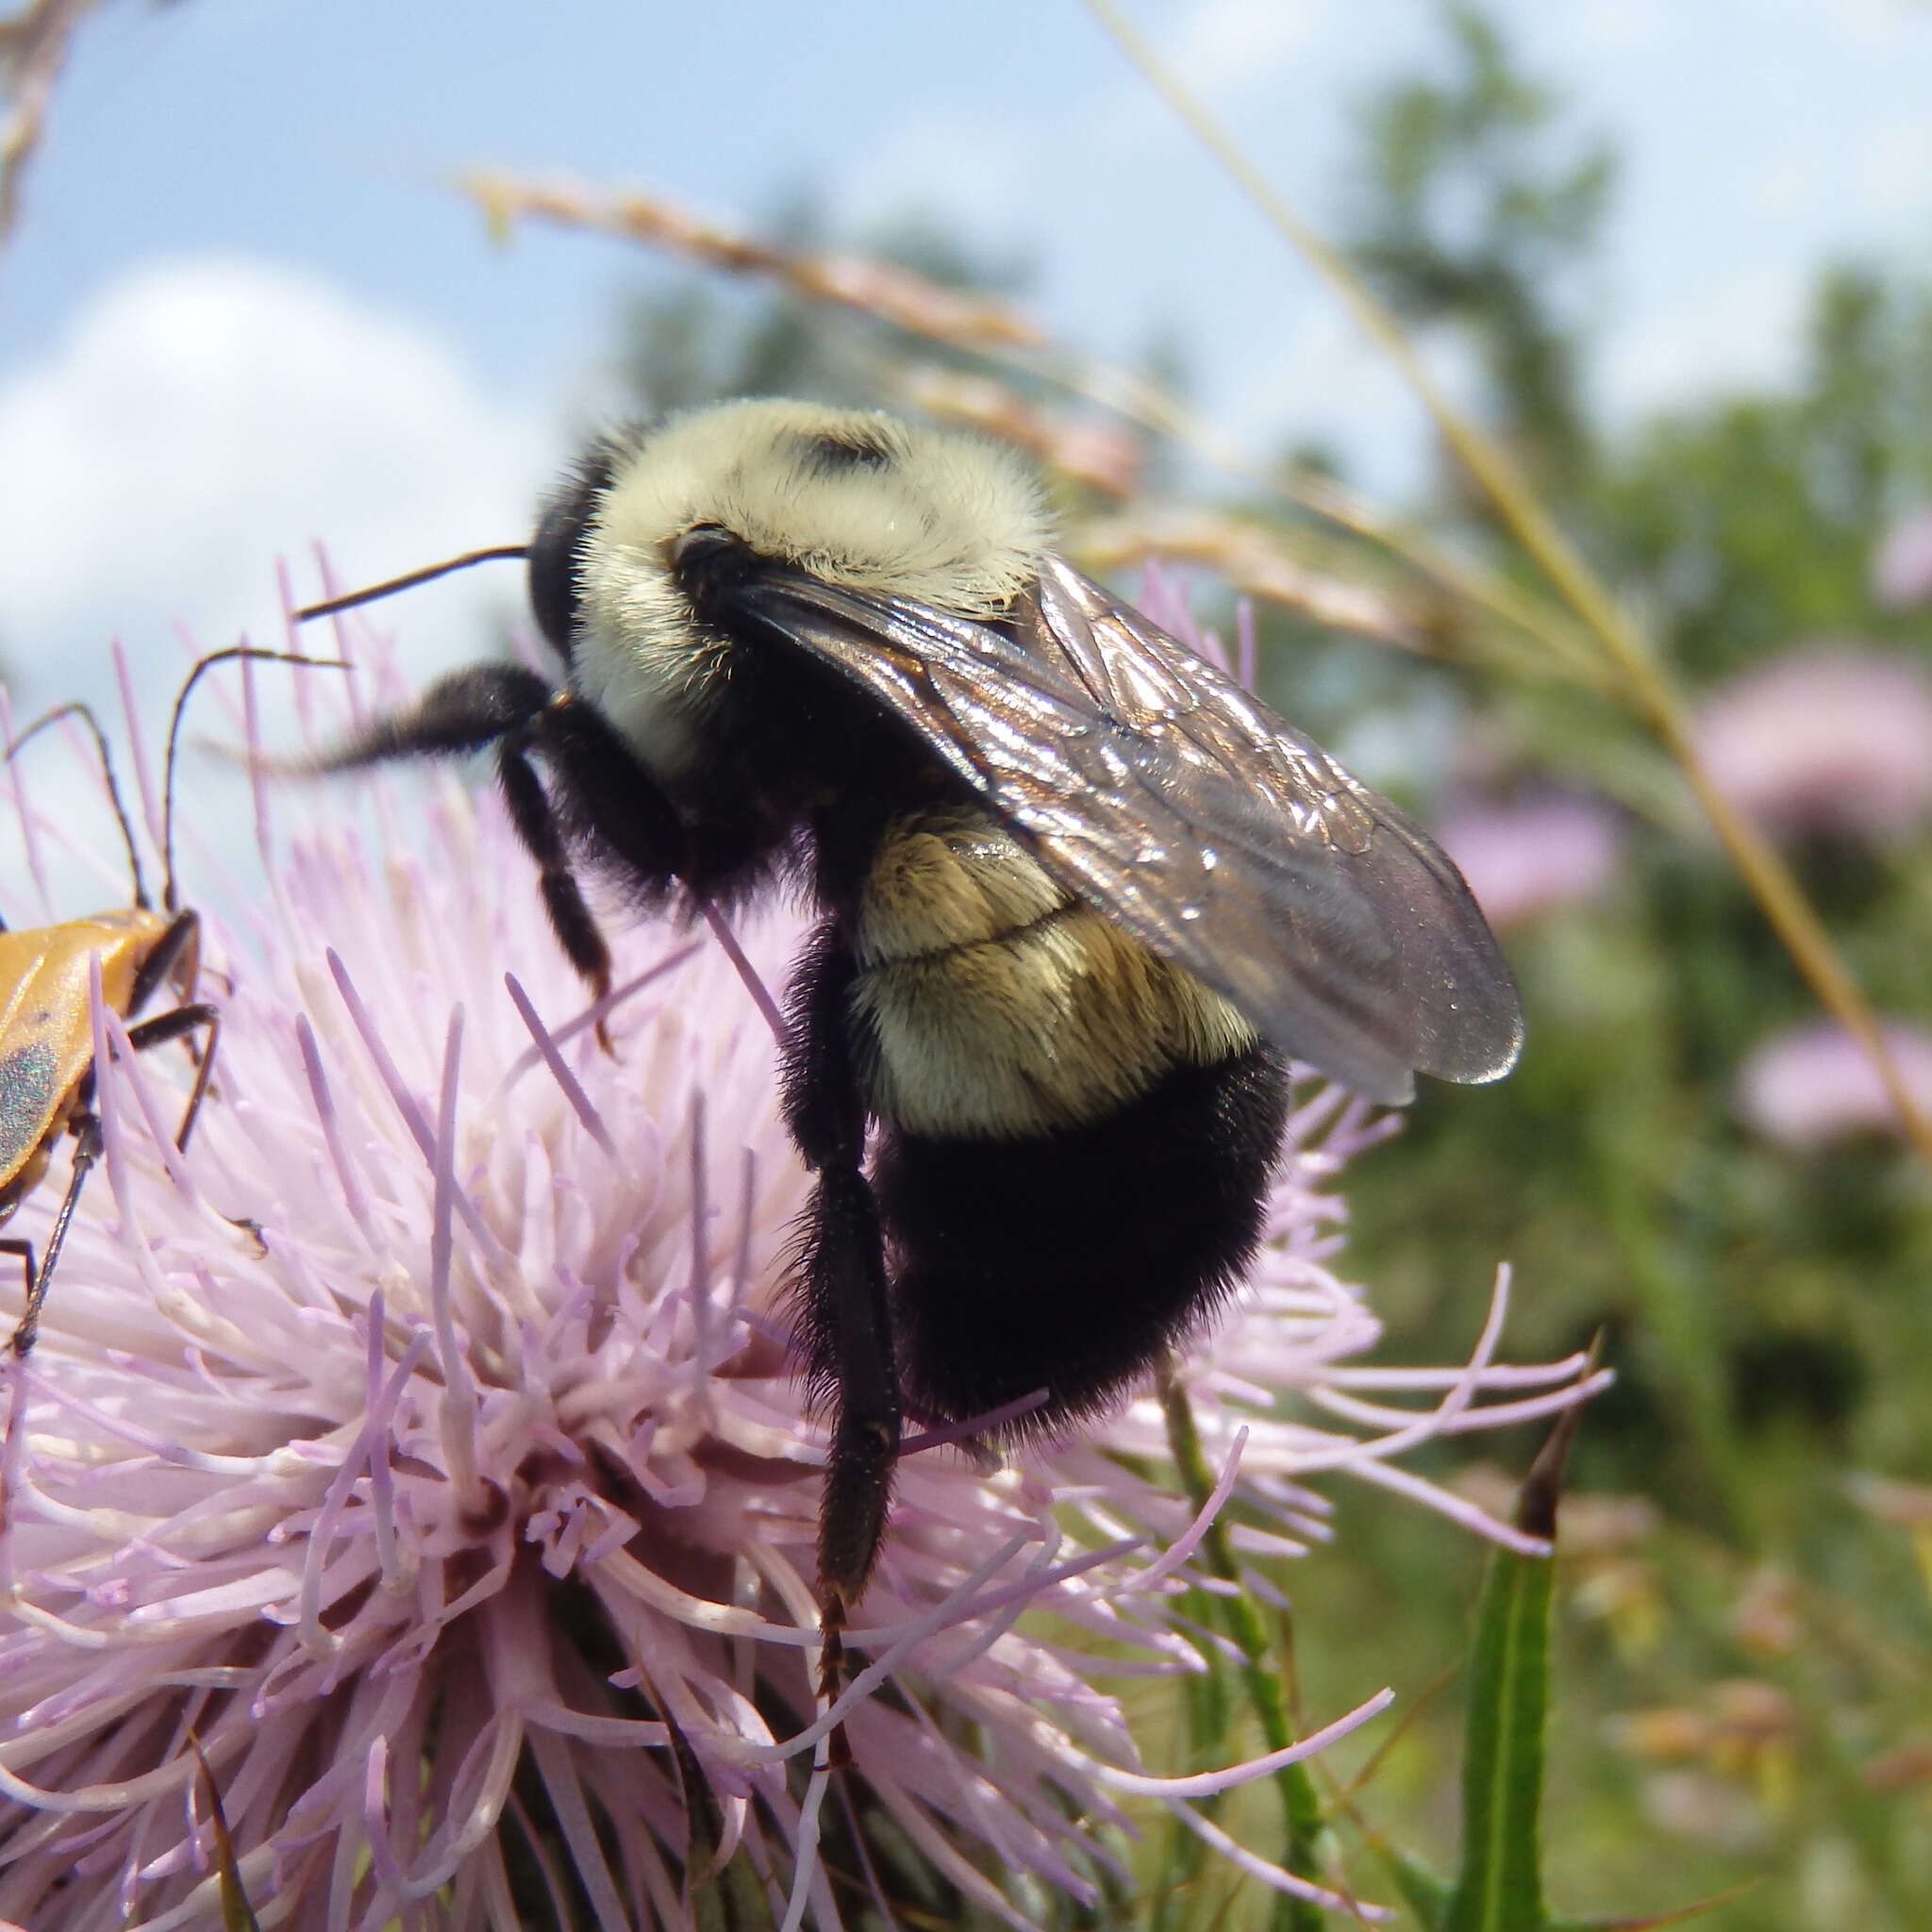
x,y
1079,897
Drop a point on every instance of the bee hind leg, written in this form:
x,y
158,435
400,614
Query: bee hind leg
x,y
844,1316
570,919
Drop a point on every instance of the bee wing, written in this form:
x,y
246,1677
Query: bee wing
x,y
1181,807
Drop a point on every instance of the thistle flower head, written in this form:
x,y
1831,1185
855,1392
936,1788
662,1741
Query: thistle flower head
x,y
1811,1085
1526,857
466,1515
1902,566
1830,740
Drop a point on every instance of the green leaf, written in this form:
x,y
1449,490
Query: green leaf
x,y
238,1915
722,1897
1424,1893
1304,1828
1500,1886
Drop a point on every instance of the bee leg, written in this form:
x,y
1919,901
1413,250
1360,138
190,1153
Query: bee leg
x,y
535,819
845,1318
86,1150
500,705
461,712
608,798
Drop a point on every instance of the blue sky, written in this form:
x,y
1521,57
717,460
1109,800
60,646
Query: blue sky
x,y
245,312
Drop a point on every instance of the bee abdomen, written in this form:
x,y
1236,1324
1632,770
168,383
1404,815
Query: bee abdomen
x,y
1070,1261
991,1003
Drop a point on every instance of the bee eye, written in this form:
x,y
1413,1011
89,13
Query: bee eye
x,y
559,542
702,547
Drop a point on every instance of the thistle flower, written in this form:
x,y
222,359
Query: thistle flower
x,y
1812,1084
1829,739
1902,566
1525,858
465,1517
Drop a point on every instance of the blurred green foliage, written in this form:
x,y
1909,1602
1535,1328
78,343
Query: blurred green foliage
x,y
1766,1310
1744,1650
1466,213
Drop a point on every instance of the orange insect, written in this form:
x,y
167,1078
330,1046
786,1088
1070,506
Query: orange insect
x,y
47,1029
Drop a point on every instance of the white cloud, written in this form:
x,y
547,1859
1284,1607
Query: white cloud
x,y
1742,332
973,169
1615,27
1223,50
204,418
1330,385
1892,170
1218,45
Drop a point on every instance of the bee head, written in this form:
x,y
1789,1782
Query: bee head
x,y
625,551
866,501
556,546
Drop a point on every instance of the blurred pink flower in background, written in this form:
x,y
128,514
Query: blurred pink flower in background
x,y
1902,566
1813,1085
1832,738
436,1513
1524,858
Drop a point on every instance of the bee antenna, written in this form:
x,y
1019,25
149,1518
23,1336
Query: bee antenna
x,y
87,718
169,903
348,601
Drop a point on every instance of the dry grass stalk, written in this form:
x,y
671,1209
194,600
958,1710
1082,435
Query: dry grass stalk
x,y
33,50
878,288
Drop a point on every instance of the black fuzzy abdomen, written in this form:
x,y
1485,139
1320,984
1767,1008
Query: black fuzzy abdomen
x,y
1070,1260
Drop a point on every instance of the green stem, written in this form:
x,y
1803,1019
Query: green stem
x,y
1301,1803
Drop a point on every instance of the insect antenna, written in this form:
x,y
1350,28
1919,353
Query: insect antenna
x,y
87,718
169,903
429,574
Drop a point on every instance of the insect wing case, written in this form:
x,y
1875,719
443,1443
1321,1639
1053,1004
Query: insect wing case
x,y
1181,807
46,1041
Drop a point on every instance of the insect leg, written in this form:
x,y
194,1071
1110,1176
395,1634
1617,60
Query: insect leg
x,y
608,798
177,954
844,1314
461,712
166,1026
86,1150
23,1252
536,823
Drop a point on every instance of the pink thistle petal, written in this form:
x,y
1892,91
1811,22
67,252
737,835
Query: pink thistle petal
x,y
573,1086
761,998
1276,1876
136,742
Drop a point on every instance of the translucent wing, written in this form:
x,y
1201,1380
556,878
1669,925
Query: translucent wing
x,y
1181,807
